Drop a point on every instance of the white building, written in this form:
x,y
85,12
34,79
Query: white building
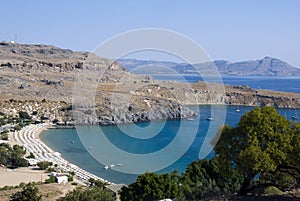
x,y
61,179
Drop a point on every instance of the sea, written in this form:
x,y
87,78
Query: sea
x,y
164,146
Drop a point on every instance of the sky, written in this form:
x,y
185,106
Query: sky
x,y
227,30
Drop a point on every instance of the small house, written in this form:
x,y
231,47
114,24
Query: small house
x,y
61,179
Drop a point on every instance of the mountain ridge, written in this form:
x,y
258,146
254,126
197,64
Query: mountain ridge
x,y
266,66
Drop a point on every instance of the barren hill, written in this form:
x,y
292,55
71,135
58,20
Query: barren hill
x,y
82,87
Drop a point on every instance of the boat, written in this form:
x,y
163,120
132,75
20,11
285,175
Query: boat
x,y
238,110
73,142
106,167
190,119
112,165
119,164
294,118
210,119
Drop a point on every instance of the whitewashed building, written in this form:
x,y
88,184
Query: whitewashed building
x,y
61,179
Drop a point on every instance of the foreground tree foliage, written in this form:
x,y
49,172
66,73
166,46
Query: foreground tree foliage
x,y
204,179
151,186
29,193
92,193
12,157
262,148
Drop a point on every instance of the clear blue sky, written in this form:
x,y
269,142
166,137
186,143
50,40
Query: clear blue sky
x,y
231,30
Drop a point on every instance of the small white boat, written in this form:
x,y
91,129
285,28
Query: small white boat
x,y
119,164
238,110
190,119
112,165
106,167
294,117
210,119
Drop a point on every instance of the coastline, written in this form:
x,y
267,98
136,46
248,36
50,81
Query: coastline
x,y
29,137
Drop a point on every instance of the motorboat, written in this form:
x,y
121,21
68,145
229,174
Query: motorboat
x,y
210,119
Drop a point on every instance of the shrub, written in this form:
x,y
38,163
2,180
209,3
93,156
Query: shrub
x,y
52,179
24,115
17,128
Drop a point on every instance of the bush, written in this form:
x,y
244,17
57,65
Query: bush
x,y
31,155
24,115
52,179
34,113
44,118
70,178
51,169
44,165
29,193
5,136
17,128
55,121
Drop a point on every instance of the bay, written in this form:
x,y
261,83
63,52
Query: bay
x,y
126,138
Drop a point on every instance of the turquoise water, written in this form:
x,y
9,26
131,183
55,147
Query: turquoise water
x,y
142,139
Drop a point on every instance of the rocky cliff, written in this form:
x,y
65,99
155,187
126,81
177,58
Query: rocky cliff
x,y
81,87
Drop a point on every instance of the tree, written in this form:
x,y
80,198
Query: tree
x,y
17,127
89,194
260,144
12,156
29,193
151,186
24,115
203,179
43,165
52,179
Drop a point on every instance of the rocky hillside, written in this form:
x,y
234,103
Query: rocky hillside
x,y
79,86
264,67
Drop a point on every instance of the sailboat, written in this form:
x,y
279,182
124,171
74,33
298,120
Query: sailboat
x,y
295,117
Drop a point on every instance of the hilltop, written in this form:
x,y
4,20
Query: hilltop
x,y
42,78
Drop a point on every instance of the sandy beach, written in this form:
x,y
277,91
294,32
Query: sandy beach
x,y
29,138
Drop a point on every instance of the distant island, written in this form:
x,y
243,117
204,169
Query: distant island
x,y
262,67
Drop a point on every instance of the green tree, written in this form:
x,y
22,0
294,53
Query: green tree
x,y
151,186
12,156
24,115
52,179
259,144
203,179
43,165
17,127
89,194
29,193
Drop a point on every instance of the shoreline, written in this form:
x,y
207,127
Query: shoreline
x,y
29,138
